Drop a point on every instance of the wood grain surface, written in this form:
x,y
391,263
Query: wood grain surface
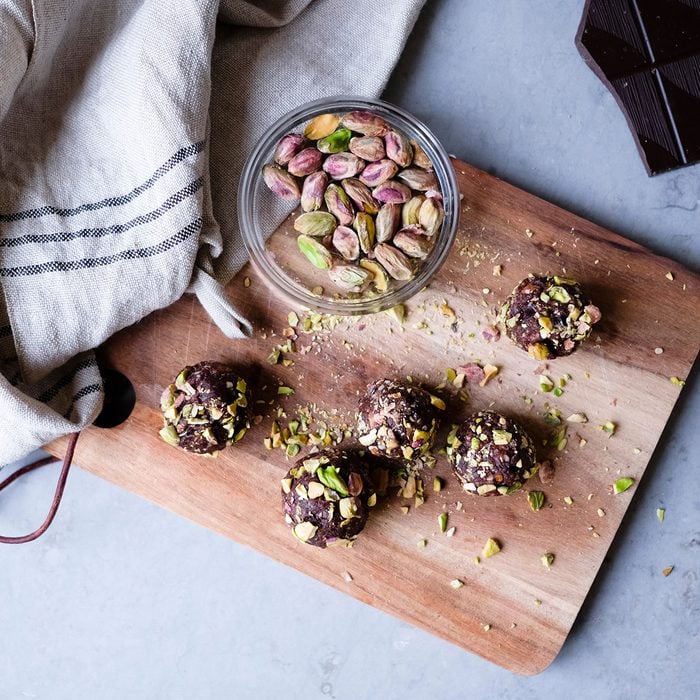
x,y
511,610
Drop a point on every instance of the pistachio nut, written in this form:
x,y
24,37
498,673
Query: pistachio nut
x,y
419,179
342,165
365,122
312,190
305,162
305,531
394,261
380,279
409,211
288,147
280,182
364,226
316,223
398,148
321,126
368,148
374,174
337,142
392,192
360,195
346,242
338,204
420,157
415,245
431,215
318,255
350,277
387,223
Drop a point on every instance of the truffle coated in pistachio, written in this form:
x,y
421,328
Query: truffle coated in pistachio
x,y
397,420
548,316
492,455
326,497
205,409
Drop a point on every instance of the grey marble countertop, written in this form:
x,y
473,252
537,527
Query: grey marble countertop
x,y
124,600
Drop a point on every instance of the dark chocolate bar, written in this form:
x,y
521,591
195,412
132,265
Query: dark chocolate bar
x,y
647,52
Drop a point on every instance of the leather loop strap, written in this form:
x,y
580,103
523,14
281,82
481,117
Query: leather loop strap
x,y
60,486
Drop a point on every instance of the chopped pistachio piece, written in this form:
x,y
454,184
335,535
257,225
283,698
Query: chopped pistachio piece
x,y
568,500
404,510
547,560
304,531
557,391
437,402
623,484
442,521
677,381
284,391
490,371
670,276
535,499
292,450
491,547
609,427
372,500
329,477
487,628
456,583
601,513
577,418
169,434
437,483
422,544
501,437
667,570
451,531
660,514
546,384
398,312
292,319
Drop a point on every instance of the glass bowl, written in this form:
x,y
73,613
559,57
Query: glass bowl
x,y
266,221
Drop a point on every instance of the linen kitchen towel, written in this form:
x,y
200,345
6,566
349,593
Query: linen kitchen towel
x,y
124,125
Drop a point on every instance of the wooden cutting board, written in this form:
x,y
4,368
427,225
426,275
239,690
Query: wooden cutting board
x,y
511,609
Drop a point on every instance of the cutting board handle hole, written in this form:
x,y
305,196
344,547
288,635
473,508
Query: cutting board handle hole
x,y
120,399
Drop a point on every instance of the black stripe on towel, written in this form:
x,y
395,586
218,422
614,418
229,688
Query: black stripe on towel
x,y
66,379
64,236
169,164
88,263
85,391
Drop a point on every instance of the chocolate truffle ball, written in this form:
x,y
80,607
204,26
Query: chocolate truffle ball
x,y
492,454
398,420
327,496
205,409
548,316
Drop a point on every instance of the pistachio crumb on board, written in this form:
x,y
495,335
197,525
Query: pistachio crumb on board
x,y
547,560
491,547
622,484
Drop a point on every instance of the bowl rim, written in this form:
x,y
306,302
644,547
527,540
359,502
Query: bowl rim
x,y
254,240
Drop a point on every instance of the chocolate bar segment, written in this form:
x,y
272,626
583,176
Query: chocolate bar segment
x,y
647,52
